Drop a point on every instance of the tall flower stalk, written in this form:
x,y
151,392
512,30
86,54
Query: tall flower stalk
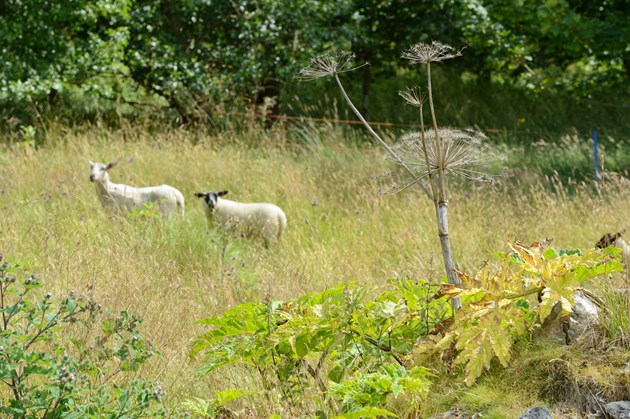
x,y
426,156
333,65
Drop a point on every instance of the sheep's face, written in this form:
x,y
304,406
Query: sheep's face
x,y
98,171
609,239
211,198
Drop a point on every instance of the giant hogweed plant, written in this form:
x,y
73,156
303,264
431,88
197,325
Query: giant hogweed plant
x,y
426,157
500,305
358,349
65,357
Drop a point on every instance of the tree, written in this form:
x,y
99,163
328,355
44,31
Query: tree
x,y
579,47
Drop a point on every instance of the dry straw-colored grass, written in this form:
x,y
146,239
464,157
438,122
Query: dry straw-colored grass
x,y
174,272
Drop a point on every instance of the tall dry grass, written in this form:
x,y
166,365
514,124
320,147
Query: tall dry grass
x,y
175,272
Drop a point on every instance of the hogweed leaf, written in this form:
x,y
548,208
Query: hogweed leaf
x,y
530,255
501,345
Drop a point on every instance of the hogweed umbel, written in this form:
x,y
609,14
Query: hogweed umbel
x,y
461,153
327,65
422,53
414,96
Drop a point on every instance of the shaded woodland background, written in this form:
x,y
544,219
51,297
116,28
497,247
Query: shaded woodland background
x,y
549,66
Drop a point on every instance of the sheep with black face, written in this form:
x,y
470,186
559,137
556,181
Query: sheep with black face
x,y
254,219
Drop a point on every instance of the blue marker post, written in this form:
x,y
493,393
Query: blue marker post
x,y
596,157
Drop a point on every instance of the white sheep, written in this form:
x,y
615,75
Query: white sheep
x,y
615,239
124,198
255,219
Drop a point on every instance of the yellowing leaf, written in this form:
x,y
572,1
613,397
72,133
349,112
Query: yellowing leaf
x,y
445,341
501,344
529,255
467,280
546,305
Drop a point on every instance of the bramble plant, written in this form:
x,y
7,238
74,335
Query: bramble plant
x,y
428,156
59,358
359,348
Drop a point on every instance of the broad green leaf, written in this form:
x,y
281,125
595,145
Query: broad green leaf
x,y
227,396
368,412
301,345
335,374
550,253
388,308
107,326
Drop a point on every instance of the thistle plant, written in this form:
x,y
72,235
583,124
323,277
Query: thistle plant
x,y
428,156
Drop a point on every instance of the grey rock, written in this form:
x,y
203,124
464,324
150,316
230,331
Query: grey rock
x,y
618,410
585,315
567,330
538,412
454,413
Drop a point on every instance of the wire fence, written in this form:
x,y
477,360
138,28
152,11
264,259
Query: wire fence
x,y
291,118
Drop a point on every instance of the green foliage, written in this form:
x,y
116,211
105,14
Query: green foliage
x,y
213,408
366,342
150,210
554,45
59,358
187,59
124,55
325,337
370,390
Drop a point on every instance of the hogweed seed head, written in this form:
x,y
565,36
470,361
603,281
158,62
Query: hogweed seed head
x,y
413,96
422,53
461,153
328,65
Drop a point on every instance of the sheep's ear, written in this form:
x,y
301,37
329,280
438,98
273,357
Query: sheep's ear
x,y
112,164
201,194
91,163
222,193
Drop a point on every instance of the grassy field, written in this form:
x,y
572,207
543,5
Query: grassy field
x,y
175,272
